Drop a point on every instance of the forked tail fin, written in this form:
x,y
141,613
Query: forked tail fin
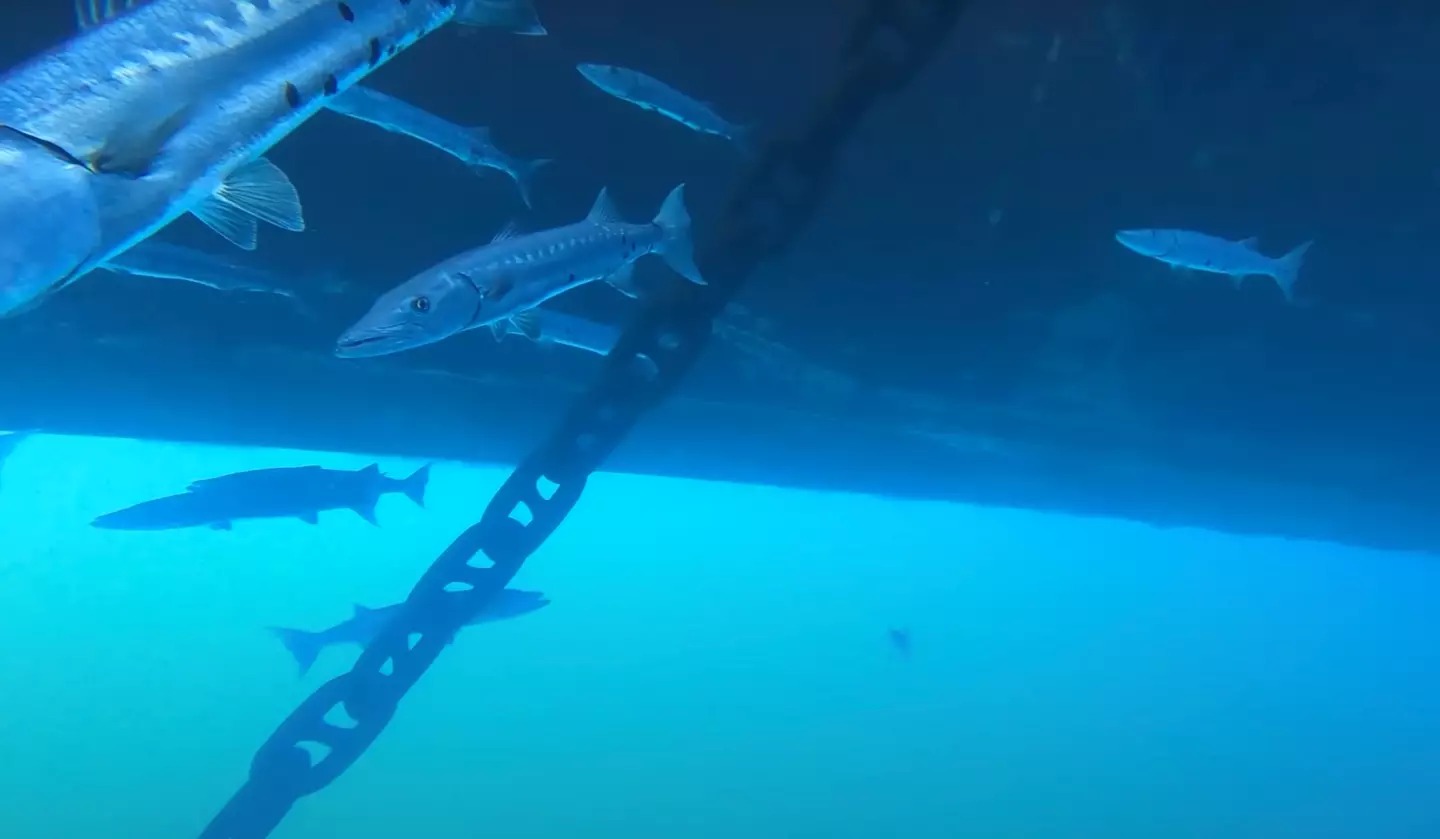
x,y
678,250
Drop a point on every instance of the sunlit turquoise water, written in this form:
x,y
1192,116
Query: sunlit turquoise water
x,y
715,665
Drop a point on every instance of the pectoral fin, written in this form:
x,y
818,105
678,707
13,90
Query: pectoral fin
x,y
239,229
131,149
527,323
261,189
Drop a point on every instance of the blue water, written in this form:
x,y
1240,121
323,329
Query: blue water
x,y
715,664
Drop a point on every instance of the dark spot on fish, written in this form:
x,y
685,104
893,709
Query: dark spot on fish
x,y
331,86
404,2
292,95
374,51
572,278
347,13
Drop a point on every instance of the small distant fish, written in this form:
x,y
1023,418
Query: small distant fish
x,y
900,641
471,146
300,492
1212,254
159,260
518,17
548,327
305,646
517,272
651,94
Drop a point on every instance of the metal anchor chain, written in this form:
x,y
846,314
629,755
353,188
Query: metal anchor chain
x,y
769,208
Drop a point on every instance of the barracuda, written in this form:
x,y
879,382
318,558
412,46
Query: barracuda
x,y
111,95
104,95
515,272
209,161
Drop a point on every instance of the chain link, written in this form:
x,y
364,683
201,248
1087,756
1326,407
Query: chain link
x,y
767,211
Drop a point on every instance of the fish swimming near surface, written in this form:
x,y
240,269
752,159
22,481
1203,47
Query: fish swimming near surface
x,y
161,260
167,108
1194,251
651,94
471,146
305,646
300,492
517,272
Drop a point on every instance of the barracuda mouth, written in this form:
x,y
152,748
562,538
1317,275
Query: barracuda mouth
x,y
357,345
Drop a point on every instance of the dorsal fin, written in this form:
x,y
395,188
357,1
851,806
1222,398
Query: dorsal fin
x,y
509,231
91,13
1250,242
361,611
604,211
372,469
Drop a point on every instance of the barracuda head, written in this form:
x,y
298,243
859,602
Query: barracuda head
x,y
1147,242
429,307
49,221
616,81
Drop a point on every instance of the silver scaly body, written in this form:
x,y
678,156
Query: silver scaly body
x,y
1194,251
650,94
189,125
79,94
294,71
131,69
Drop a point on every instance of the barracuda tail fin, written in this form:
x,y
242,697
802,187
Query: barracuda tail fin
x,y
678,251
524,175
302,645
1287,269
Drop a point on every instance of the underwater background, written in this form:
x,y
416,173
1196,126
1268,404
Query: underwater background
x,y
971,522
714,662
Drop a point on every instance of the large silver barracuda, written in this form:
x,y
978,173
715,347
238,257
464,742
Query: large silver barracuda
x,y
205,157
515,272
49,219
112,94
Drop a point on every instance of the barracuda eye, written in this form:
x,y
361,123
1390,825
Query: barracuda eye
x,y
420,304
